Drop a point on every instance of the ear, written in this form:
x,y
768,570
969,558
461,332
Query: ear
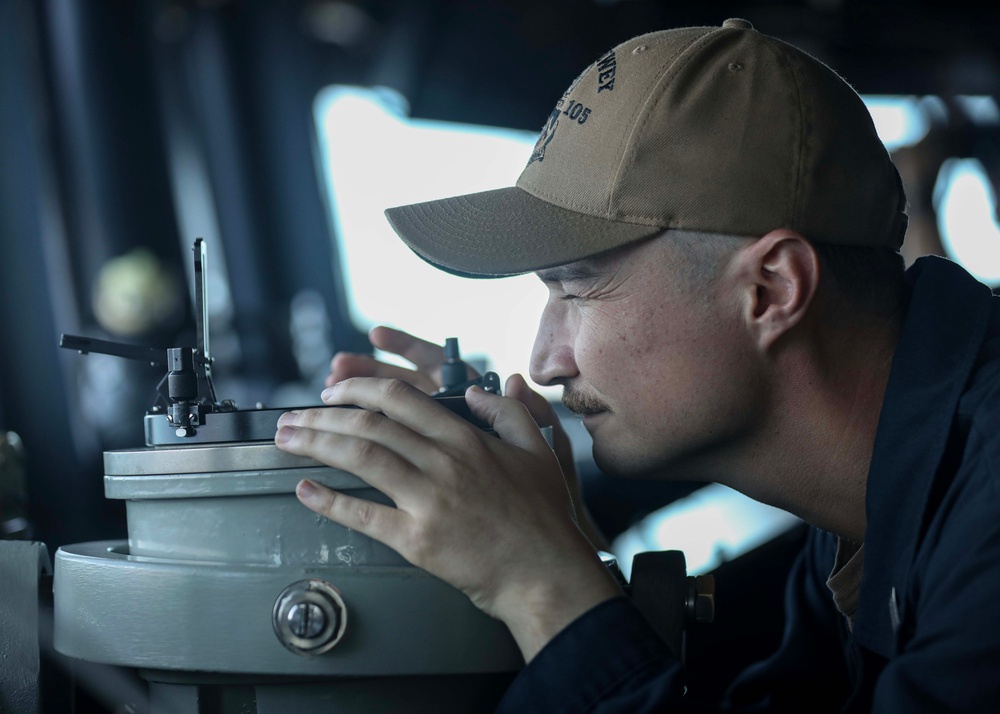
x,y
781,277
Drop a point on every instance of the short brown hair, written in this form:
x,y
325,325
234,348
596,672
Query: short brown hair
x,y
869,280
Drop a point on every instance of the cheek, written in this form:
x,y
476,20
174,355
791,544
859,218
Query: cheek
x,y
620,348
607,333
666,350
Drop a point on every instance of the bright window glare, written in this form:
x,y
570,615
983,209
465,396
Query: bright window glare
x,y
899,121
965,202
375,158
710,526
969,230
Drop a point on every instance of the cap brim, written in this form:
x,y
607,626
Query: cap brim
x,y
506,231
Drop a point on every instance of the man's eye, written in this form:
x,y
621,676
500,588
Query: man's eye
x,y
567,296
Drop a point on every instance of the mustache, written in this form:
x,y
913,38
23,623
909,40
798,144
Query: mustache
x,y
583,404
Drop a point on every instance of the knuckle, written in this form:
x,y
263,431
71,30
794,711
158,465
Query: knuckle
x,y
364,513
368,420
455,464
450,462
303,438
396,388
509,407
332,504
309,418
419,546
347,383
364,451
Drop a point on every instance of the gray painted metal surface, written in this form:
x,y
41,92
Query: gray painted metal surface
x,y
212,458
273,529
235,504
217,542
216,617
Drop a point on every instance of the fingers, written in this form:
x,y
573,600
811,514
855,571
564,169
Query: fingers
x,y
346,365
544,415
402,403
366,517
538,406
382,465
509,418
425,356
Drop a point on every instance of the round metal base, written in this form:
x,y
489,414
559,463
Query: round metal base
x,y
163,614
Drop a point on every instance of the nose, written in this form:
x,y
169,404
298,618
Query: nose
x,y
552,356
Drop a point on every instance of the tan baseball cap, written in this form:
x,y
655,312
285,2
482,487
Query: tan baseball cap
x,y
715,129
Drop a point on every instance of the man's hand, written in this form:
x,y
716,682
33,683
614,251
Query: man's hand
x,y
491,516
427,357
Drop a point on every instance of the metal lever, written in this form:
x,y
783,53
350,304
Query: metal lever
x,y
207,389
85,345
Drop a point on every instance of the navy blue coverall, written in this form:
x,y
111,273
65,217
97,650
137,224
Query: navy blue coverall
x,y
926,636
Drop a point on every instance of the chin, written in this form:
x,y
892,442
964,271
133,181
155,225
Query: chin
x,y
634,465
619,466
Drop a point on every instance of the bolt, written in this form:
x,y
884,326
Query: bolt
x,y
306,620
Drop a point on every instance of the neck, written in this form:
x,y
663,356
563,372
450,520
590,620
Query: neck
x,y
812,454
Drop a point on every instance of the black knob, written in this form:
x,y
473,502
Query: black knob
x,y
453,370
182,380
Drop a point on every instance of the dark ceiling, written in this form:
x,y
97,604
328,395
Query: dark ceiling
x,y
503,62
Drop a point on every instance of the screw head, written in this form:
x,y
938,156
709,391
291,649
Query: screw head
x,y
309,617
306,620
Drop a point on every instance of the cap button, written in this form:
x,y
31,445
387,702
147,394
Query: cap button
x,y
737,23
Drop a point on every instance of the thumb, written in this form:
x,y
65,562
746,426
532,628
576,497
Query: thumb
x,y
508,417
544,414
538,406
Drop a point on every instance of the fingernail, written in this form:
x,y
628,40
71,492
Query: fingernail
x,y
326,393
288,418
307,491
284,435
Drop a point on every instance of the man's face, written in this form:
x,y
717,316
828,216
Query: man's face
x,y
656,361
